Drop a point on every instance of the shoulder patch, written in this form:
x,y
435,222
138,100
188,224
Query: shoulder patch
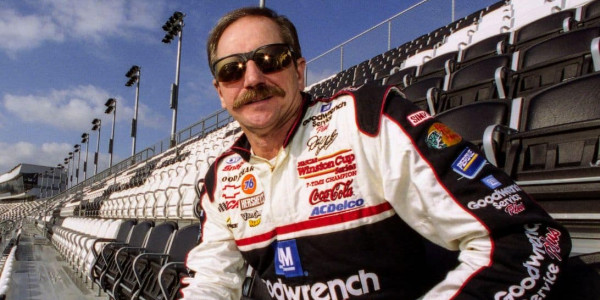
x,y
369,101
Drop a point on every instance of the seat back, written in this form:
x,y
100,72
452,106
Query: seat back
x,y
554,60
543,28
417,92
139,232
556,154
479,81
159,237
491,46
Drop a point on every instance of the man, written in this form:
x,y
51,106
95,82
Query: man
x,y
332,199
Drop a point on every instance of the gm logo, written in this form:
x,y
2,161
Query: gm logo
x,y
325,107
287,259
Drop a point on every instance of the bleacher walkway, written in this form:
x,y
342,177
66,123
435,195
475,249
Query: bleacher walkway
x,y
41,274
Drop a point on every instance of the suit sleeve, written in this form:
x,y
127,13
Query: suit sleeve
x,y
216,261
510,248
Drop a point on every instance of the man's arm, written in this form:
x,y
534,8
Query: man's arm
x,y
216,260
446,190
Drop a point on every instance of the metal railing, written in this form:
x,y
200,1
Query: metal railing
x,y
420,18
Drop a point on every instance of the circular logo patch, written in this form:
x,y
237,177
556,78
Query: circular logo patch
x,y
439,136
249,184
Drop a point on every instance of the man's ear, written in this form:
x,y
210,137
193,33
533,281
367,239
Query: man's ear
x,y
300,68
218,88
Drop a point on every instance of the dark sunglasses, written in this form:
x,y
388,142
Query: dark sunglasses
x,y
269,58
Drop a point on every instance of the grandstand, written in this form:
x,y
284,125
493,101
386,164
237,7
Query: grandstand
x,y
519,78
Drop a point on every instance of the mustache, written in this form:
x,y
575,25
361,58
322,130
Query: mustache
x,y
257,93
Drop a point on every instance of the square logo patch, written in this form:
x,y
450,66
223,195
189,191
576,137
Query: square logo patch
x,y
287,259
468,164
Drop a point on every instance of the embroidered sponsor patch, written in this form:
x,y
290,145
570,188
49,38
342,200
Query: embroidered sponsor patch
x,y
439,136
249,184
491,182
252,201
418,118
468,164
287,259
233,160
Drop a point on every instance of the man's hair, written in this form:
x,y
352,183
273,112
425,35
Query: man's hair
x,y
287,30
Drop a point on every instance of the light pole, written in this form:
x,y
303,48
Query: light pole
x,y
173,27
60,171
97,125
52,183
71,161
111,107
77,148
66,162
85,138
41,182
134,75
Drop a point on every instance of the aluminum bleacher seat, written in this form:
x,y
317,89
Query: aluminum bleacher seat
x,y
437,66
160,194
83,254
554,156
560,58
541,29
491,46
105,264
362,74
93,253
529,11
590,14
83,241
131,261
402,77
418,57
425,93
472,121
493,21
164,273
480,81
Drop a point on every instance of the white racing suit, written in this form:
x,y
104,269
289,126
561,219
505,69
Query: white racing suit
x,y
344,209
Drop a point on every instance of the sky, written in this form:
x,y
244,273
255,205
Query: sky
x,y
60,60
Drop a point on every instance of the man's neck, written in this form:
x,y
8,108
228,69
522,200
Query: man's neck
x,y
267,145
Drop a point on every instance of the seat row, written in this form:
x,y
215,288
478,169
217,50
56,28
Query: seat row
x,y
516,24
127,258
548,142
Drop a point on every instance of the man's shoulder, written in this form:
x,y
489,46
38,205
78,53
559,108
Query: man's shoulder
x,y
368,101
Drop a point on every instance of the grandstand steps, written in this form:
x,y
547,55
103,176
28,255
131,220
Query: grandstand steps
x,y
41,274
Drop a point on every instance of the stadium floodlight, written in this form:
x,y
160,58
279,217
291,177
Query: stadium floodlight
x,y
173,27
97,125
77,148
85,138
134,75
111,107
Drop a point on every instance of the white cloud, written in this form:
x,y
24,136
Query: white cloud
x,y
48,154
58,20
64,109
18,31
76,108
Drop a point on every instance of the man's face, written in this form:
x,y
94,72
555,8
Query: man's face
x,y
266,112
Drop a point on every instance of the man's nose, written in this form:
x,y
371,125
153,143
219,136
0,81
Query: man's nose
x,y
253,74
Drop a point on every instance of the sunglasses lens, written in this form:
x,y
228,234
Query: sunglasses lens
x,y
269,59
230,69
273,58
